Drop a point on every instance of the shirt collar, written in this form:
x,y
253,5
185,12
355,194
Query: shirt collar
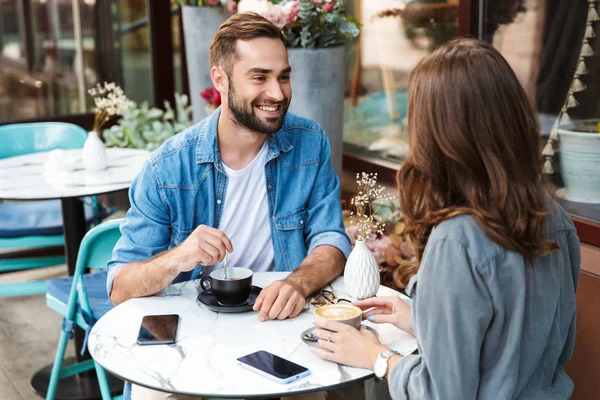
x,y
207,148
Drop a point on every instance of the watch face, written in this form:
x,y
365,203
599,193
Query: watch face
x,y
380,367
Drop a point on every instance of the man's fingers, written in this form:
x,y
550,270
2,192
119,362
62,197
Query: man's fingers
x,y
259,300
290,306
223,238
298,309
212,252
278,305
267,303
217,244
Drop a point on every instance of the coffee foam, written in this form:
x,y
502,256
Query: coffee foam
x,y
337,312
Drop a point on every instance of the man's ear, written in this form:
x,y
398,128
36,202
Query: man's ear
x,y
220,80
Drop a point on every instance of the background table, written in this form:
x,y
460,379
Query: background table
x,y
23,178
203,361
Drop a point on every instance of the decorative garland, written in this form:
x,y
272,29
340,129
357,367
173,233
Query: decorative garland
x,y
576,86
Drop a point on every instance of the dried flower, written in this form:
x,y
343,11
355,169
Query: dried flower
x,y
109,101
363,214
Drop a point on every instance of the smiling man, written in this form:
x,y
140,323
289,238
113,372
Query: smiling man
x,y
252,180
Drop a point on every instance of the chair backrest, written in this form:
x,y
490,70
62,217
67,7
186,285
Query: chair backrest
x,y
19,139
97,245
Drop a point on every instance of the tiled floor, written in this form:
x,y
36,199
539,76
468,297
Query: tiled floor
x,y
29,333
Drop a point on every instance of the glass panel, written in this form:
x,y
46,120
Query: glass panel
x,y
136,63
551,47
11,32
176,51
394,36
53,86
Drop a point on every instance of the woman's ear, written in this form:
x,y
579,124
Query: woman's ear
x,y
220,79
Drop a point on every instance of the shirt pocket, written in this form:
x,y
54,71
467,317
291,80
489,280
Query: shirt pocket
x,y
290,231
291,220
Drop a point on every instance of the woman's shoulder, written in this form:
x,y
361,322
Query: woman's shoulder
x,y
464,231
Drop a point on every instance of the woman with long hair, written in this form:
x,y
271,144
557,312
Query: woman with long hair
x,y
497,260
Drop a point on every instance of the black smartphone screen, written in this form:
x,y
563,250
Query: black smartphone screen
x,y
272,364
158,329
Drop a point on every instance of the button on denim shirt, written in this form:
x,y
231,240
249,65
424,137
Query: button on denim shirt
x,y
183,185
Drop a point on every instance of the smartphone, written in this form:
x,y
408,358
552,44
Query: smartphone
x,y
158,329
273,367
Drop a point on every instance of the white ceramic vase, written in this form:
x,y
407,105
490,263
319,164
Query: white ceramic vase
x,y
361,275
94,153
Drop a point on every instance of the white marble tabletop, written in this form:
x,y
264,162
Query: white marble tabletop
x,y
203,361
27,178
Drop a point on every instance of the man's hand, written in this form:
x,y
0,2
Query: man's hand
x,y
205,246
279,300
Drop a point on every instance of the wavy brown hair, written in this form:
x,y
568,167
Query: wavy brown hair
x,y
474,149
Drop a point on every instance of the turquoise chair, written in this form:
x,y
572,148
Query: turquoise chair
x,y
36,224
82,299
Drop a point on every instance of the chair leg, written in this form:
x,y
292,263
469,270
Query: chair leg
x,y
57,366
102,382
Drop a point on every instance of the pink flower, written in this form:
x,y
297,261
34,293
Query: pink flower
x,y
329,6
277,16
213,2
317,1
231,6
293,14
352,232
378,247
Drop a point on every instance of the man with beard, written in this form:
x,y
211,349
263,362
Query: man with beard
x,y
252,181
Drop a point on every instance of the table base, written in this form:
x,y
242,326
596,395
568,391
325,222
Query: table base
x,y
77,387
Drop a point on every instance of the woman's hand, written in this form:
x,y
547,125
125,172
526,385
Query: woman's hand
x,y
346,345
390,309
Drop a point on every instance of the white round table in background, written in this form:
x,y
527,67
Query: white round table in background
x,y
203,361
25,178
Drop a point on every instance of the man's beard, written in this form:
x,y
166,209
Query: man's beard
x,y
247,117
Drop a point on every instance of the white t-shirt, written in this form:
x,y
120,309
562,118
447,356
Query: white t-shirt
x,y
245,218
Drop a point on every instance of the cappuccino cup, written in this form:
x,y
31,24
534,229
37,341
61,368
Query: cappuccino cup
x,y
345,313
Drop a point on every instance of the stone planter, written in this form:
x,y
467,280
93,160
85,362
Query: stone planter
x,y
199,27
318,82
580,161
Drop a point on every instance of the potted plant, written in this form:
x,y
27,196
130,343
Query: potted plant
x,y
316,33
201,19
580,160
145,127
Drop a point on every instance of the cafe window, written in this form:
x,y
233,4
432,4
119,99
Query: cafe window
x,y
552,47
394,36
11,31
49,81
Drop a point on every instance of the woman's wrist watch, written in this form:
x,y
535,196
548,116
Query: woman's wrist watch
x,y
381,363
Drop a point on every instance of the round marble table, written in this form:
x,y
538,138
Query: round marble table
x,y
26,178
203,361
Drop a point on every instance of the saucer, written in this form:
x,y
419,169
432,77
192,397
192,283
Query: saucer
x,y
213,305
315,344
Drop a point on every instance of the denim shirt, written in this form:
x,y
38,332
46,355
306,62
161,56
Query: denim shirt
x,y
183,185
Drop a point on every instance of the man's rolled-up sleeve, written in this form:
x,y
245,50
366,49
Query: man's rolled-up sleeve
x,y
451,313
146,229
325,225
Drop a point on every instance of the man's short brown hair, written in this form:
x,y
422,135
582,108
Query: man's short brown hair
x,y
242,26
